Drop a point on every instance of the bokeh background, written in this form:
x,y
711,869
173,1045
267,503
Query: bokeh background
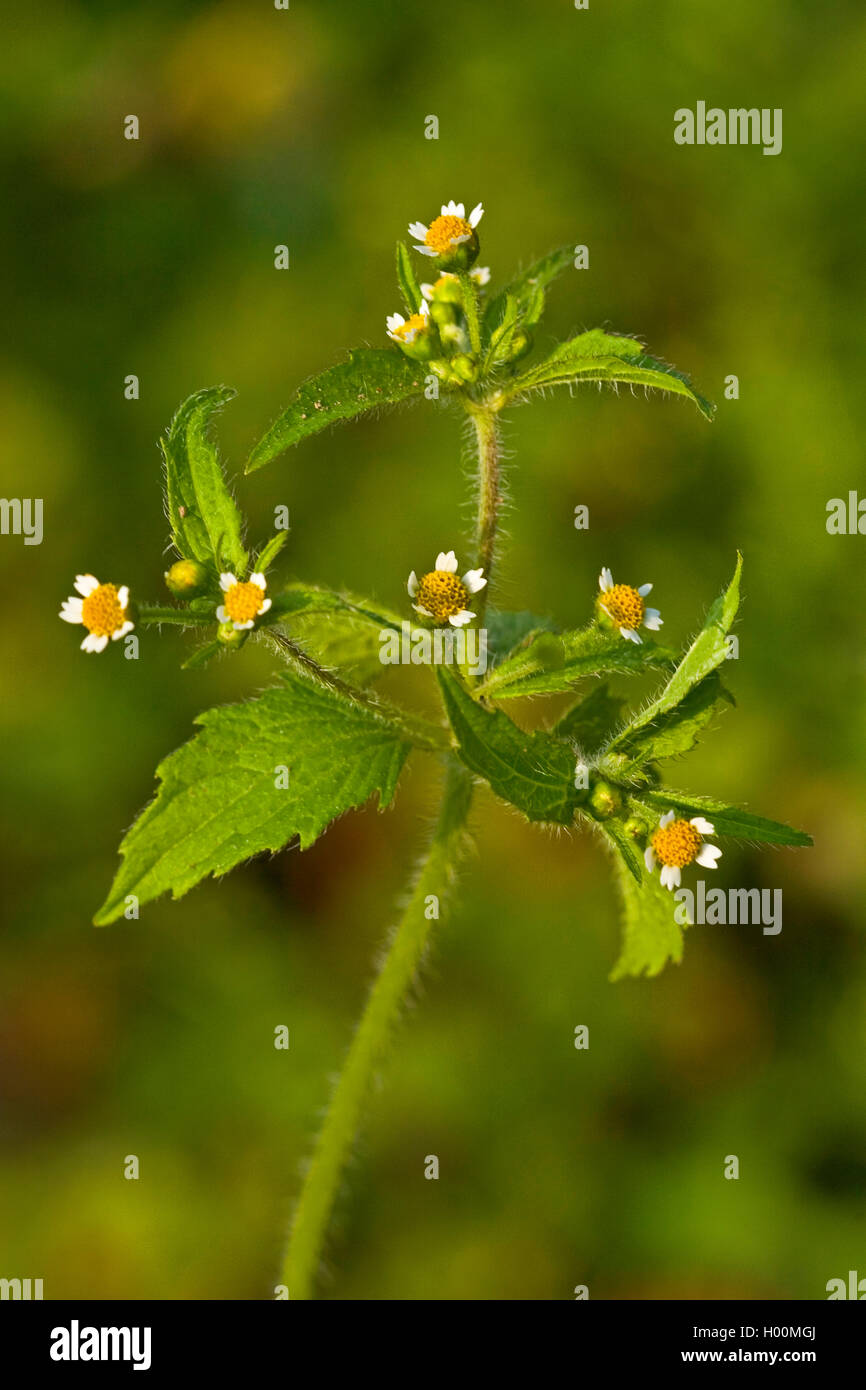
x,y
155,257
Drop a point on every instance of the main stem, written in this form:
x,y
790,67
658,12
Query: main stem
x,y
409,941
489,496
405,954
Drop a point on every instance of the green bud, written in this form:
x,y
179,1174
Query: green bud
x,y
443,311
521,343
605,800
447,290
228,634
465,368
635,828
187,578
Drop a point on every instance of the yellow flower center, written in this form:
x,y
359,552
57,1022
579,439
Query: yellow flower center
x,y
101,612
444,231
625,606
676,844
412,326
243,601
442,594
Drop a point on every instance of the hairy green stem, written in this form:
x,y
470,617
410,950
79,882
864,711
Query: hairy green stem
x,y
400,968
489,496
154,613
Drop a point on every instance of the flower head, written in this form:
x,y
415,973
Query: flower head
x,y
677,843
441,594
450,237
405,331
243,601
101,608
625,608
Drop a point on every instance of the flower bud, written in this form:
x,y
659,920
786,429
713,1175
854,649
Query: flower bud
x,y
605,800
465,368
444,311
230,637
186,578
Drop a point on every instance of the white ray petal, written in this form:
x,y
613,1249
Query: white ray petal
x,y
474,580
426,250
653,619
265,606
631,636
418,230
227,581
645,589
123,595
259,580
447,560
649,858
605,581
412,584
476,215
702,825
222,615
667,818
71,610
462,618
86,583
707,856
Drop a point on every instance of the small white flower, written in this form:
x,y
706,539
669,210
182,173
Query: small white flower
x,y
441,595
678,843
447,231
101,608
626,607
243,602
406,330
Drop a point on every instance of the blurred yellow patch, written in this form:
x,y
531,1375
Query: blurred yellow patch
x,y
229,71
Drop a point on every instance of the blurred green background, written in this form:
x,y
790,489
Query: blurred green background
x,y
154,1037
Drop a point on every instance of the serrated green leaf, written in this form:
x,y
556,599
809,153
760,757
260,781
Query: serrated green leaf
x,y
503,332
727,820
372,377
304,598
651,934
218,802
341,642
606,357
407,280
529,287
676,730
591,720
551,664
507,631
532,771
205,523
706,653
270,550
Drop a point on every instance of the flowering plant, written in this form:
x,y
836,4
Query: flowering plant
x,y
279,768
